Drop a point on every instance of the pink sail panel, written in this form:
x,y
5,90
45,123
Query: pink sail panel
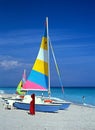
x,y
35,86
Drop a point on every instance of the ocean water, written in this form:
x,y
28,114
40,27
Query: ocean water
x,y
73,94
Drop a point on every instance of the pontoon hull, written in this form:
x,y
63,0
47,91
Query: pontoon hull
x,y
64,105
38,107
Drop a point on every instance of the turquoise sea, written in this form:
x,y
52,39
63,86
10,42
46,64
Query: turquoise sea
x,y
73,94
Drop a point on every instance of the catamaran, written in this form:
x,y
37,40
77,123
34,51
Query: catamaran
x,y
39,80
19,94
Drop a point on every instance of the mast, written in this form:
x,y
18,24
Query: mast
x,y
48,57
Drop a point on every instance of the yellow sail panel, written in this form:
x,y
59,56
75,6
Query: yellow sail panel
x,y
19,87
41,67
44,43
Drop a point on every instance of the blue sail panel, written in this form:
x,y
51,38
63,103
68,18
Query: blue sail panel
x,y
38,78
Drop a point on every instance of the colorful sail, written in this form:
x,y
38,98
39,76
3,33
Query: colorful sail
x,y
38,78
20,85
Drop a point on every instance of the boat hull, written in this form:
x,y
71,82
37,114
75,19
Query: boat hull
x,y
38,107
64,105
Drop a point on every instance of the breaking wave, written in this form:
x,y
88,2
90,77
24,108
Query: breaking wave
x,y
2,92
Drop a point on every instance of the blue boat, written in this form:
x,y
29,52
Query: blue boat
x,y
38,107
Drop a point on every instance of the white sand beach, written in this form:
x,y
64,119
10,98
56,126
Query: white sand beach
x,y
74,118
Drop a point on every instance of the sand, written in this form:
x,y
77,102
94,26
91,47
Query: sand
x,y
74,118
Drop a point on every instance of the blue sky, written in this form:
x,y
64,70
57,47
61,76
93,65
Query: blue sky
x,y
72,32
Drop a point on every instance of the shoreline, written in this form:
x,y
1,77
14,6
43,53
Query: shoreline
x,y
76,117
6,95
71,95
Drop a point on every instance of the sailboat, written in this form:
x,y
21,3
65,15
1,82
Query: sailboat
x,y
39,80
19,92
9,101
20,86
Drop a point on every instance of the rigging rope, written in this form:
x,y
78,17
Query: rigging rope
x,y
56,65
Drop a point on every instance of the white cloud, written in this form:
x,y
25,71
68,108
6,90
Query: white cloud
x,y
7,62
